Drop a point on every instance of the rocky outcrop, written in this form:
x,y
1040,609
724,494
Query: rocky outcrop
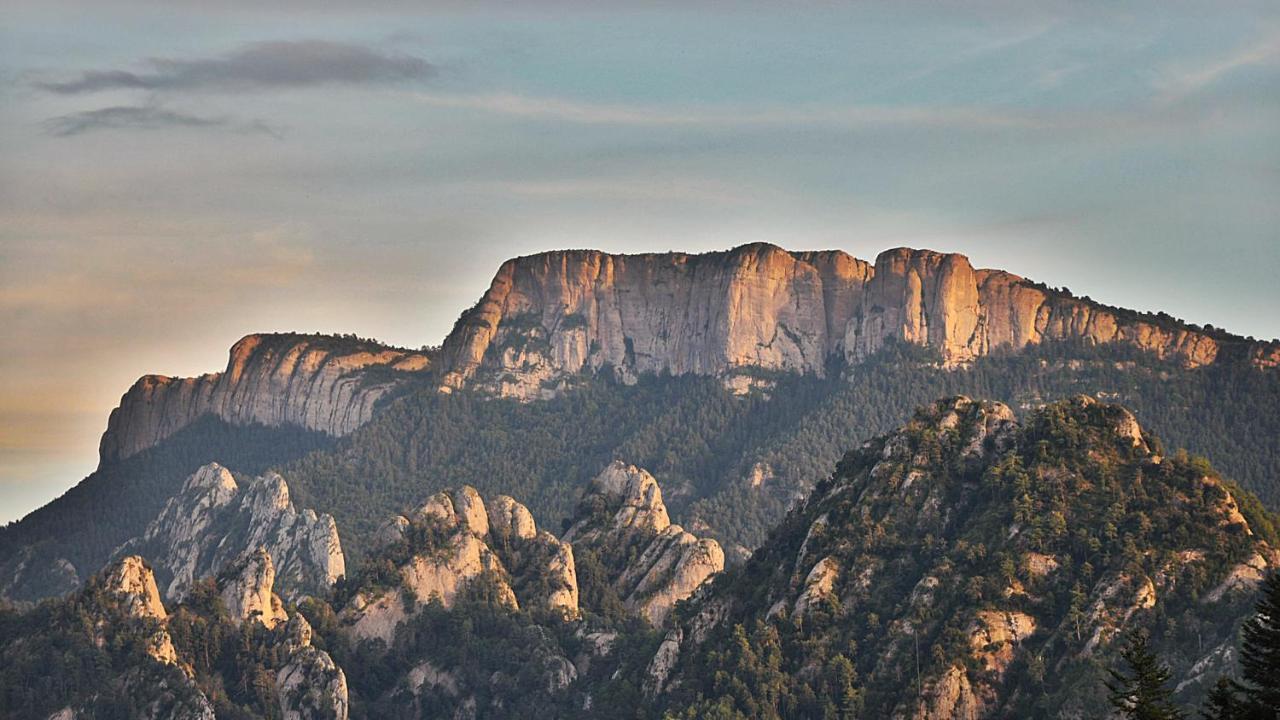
x,y
133,584
454,540
938,554
212,522
548,317
311,686
322,383
246,588
653,564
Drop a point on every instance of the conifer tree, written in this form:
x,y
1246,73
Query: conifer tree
x,y
1223,702
1141,693
1260,654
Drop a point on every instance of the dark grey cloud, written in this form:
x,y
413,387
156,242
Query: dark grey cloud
x,y
147,118
277,64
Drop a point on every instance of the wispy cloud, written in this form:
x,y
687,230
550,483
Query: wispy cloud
x,y
592,113
1186,80
264,65
147,117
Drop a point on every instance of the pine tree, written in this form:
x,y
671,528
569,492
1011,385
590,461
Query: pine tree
x,y
1141,694
1260,654
1223,702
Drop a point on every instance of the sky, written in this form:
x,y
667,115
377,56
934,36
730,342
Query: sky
x,y
176,175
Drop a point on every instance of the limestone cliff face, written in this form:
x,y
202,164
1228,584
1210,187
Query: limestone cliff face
x,y
565,312
212,522
453,541
623,511
315,382
547,317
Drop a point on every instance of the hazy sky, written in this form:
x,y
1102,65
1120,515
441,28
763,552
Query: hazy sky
x,y
173,177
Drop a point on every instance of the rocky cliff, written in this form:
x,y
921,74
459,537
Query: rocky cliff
x,y
1013,555
212,522
455,543
546,317
329,384
652,564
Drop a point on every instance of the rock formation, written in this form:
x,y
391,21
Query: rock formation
x,y
454,540
315,382
623,511
212,522
130,589
247,590
310,684
950,536
547,317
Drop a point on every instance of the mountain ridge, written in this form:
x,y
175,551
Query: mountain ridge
x,y
550,316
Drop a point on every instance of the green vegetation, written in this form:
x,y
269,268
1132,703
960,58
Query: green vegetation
x,y
702,442
1141,691
935,525
116,502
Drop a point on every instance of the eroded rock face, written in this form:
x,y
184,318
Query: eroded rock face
x,y
310,686
212,521
564,312
131,584
247,592
313,382
548,317
622,509
498,542
134,585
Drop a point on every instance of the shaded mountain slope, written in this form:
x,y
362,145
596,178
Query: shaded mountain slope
x,y
970,566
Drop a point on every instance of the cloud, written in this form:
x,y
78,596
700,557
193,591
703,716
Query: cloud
x,y
593,113
147,117
264,65
1188,80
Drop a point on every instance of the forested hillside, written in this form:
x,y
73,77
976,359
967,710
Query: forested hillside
x,y
732,464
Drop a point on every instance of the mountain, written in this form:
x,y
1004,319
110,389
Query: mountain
x,y
756,307
967,564
316,382
759,307
970,565
113,650
735,378
212,521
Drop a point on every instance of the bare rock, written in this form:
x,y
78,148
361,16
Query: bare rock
x,y
313,382
246,588
212,522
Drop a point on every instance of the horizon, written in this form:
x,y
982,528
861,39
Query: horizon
x,y
178,177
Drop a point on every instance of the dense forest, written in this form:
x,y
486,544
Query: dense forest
x,y
729,465
702,442
1048,538
1094,510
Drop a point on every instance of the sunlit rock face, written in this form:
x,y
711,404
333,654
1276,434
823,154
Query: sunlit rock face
x,y
565,312
623,510
213,521
453,542
315,382
550,316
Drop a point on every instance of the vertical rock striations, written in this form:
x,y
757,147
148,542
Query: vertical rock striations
x,y
315,382
547,317
565,312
